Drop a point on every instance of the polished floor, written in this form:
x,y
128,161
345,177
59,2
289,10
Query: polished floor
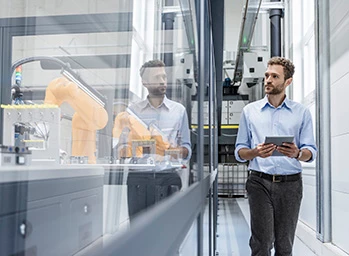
x,y
233,232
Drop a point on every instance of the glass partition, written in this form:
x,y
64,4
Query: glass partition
x,y
96,118
303,41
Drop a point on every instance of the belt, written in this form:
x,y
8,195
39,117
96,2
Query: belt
x,y
276,178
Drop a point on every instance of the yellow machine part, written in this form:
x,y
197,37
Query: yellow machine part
x,y
89,116
137,131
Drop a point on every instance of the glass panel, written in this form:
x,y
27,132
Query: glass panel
x,y
100,66
97,127
308,12
304,92
309,67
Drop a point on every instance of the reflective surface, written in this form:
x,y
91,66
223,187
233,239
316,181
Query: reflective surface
x,y
97,124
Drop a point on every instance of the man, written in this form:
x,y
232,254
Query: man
x,y
274,185
158,119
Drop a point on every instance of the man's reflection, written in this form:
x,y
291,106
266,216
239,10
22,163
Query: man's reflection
x,y
156,118
154,126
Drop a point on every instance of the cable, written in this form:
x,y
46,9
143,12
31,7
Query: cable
x,y
68,73
37,58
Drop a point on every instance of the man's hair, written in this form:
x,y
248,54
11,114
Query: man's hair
x,y
151,64
286,63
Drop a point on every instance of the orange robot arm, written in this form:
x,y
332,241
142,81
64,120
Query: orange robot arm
x,y
161,143
89,116
138,131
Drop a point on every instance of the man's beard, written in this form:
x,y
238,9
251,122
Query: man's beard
x,y
157,90
275,90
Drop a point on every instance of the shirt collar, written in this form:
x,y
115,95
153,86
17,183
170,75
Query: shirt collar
x,y
286,103
166,104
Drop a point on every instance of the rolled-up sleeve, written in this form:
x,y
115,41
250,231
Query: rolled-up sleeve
x,y
243,139
306,138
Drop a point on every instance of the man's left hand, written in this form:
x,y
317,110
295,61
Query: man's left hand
x,y
288,149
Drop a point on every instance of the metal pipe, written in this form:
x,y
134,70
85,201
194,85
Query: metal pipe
x,y
275,16
168,20
323,124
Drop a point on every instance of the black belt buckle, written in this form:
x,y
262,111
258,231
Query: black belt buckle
x,y
277,178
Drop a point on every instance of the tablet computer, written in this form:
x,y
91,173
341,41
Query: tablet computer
x,y
278,140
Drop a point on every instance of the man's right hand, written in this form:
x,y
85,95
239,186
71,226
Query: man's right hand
x,y
264,150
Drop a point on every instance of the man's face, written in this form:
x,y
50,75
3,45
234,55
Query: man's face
x,y
155,80
274,80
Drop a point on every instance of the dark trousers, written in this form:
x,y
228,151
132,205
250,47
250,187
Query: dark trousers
x,y
274,209
144,189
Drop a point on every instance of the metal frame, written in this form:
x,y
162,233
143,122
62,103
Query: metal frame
x,y
202,81
217,16
323,124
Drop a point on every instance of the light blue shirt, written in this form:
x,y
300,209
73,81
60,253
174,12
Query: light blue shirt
x,y
260,119
171,117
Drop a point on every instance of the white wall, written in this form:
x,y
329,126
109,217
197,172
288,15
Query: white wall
x,y
339,27
303,91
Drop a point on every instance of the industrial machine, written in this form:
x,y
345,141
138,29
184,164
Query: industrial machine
x,y
138,140
40,130
255,64
89,106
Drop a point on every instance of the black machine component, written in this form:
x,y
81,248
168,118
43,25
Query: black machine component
x,y
16,92
13,155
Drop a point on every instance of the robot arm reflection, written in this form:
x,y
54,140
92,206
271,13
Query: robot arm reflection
x,y
89,115
88,104
129,130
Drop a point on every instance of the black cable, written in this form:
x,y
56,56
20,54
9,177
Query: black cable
x,y
38,58
65,67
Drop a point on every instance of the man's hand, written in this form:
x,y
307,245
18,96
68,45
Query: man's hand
x,y
184,152
288,149
264,150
